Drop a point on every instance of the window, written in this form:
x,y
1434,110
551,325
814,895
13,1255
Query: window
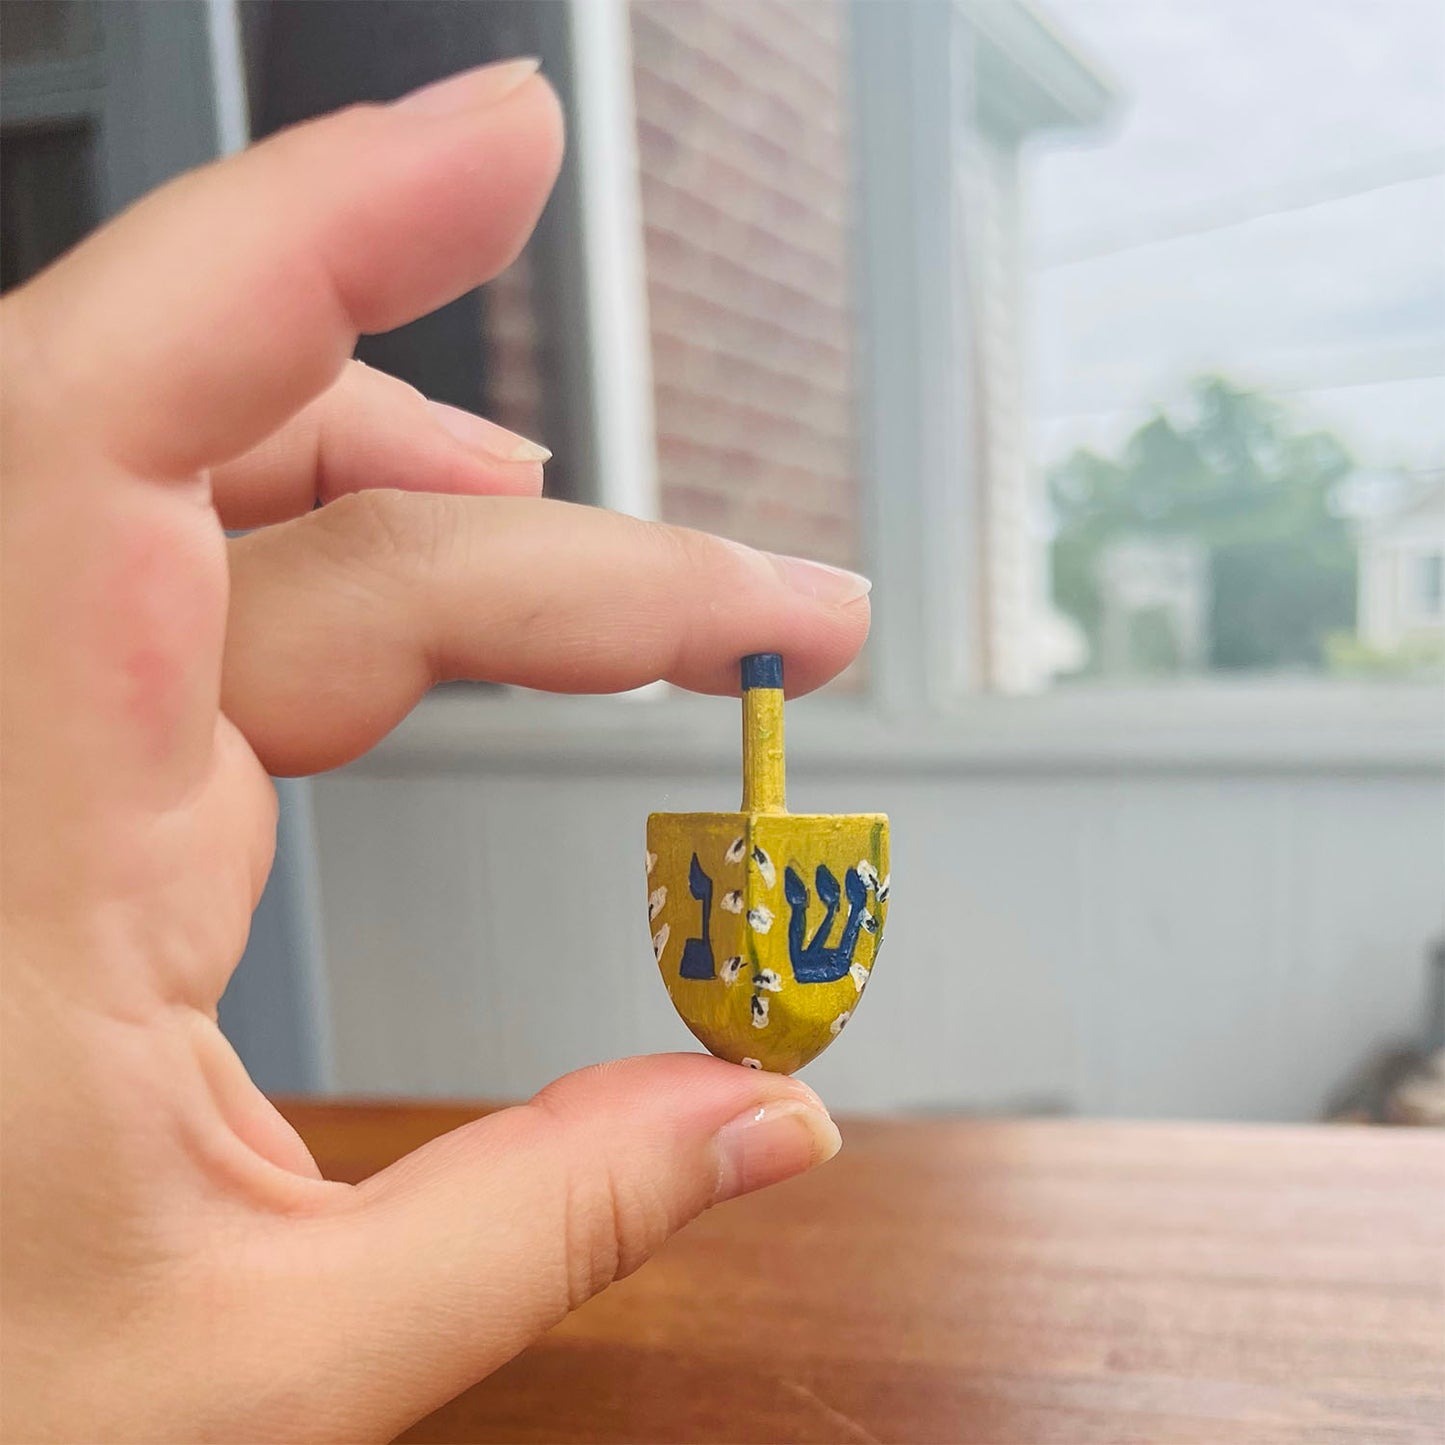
x,y
1107,372
49,187
303,60
1237,324
100,103
1428,576
48,30
47,196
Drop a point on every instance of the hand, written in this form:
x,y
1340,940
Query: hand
x,y
173,1265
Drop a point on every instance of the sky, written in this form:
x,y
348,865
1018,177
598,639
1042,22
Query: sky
x,y
1267,200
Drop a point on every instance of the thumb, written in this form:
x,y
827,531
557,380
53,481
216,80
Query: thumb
x,y
454,1259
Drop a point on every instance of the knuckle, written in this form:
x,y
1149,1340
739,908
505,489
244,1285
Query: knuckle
x,y
679,548
391,531
596,1229
613,1221
351,127
36,391
363,381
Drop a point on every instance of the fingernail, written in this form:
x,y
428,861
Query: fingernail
x,y
819,581
482,435
773,1142
471,90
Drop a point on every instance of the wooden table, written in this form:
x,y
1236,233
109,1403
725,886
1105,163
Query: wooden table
x,y
1002,1282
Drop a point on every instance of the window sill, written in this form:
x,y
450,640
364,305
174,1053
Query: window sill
x,y
1299,727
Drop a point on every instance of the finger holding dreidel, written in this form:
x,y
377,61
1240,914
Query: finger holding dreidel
x,y
765,924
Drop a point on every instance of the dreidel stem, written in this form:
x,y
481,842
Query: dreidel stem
x,y
763,775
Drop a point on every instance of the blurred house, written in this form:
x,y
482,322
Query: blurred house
x,y
1402,571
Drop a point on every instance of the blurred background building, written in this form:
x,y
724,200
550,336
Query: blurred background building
x,y
1402,572
1115,357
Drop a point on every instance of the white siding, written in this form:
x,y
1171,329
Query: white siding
x,y
1222,945
1391,551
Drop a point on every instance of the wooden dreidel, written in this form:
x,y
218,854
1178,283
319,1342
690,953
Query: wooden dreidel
x,y
766,923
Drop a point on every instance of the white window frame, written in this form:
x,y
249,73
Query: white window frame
x,y
616,314
911,68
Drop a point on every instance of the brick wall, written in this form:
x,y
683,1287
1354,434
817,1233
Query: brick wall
x,y
746,194
746,187
514,383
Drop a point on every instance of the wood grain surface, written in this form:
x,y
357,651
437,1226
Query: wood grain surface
x,y
1001,1282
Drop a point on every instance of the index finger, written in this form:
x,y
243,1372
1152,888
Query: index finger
x,y
195,324
341,619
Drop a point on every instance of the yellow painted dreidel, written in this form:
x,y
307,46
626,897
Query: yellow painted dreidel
x,y
766,923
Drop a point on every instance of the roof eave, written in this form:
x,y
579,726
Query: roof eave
x,y
1029,78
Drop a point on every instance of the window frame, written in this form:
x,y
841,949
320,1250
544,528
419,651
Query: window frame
x,y
603,136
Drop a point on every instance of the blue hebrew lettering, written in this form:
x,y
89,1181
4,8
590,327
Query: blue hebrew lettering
x,y
857,891
697,959
813,961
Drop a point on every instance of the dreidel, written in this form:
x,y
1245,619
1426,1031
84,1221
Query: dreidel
x,y
766,924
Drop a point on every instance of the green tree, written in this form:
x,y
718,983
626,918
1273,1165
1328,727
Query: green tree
x,y
1236,476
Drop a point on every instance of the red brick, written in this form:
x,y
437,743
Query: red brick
x,y
746,186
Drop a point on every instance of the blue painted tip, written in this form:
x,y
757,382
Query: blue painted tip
x,y
762,669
